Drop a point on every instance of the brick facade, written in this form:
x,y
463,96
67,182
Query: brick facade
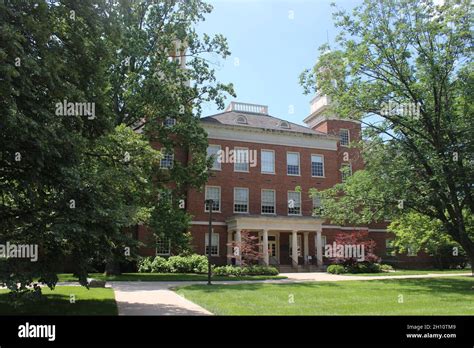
x,y
321,137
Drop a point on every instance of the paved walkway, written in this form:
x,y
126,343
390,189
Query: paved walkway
x,y
157,298
153,298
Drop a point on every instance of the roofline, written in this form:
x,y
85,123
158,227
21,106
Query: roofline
x,y
267,115
264,130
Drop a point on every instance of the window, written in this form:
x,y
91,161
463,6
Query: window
x,y
163,246
214,244
294,203
268,201
317,165
268,161
317,206
214,193
298,245
284,124
293,163
213,150
166,161
169,122
344,137
241,159
241,120
323,241
346,171
241,200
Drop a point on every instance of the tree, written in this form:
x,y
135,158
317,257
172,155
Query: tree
x,y
76,183
161,71
404,69
419,232
346,246
247,250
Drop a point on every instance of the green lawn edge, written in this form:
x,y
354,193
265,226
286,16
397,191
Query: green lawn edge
x,y
384,297
68,277
64,300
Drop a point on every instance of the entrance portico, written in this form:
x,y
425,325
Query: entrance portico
x,y
285,240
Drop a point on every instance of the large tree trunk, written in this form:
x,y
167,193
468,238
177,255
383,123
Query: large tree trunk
x,y
112,267
460,236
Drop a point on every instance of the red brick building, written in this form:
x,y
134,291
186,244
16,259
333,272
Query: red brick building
x,y
258,193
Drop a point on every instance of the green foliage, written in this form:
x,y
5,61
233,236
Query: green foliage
x,y
404,69
336,269
386,268
174,264
235,271
74,185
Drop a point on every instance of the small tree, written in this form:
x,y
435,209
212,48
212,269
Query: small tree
x,y
247,250
360,239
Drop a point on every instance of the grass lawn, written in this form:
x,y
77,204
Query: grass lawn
x,y
403,272
68,277
96,301
433,296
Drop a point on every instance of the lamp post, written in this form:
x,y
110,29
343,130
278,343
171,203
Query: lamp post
x,y
209,203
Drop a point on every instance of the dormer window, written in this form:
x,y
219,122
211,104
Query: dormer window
x,y
284,124
241,120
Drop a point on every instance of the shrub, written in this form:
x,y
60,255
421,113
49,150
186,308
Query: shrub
x,y
364,267
198,263
259,270
336,269
160,265
241,271
386,268
144,264
188,264
227,271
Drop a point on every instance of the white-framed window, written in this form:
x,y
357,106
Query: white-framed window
x,y
163,246
294,203
346,171
317,165
317,205
267,159
241,159
241,200
344,136
214,193
213,151
214,244
298,238
169,122
323,241
268,201
293,163
167,159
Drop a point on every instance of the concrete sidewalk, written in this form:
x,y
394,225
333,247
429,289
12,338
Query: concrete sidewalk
x,y
153,298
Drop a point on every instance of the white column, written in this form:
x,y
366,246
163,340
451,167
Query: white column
x,y
229,247
265,248
238,240
306,247
319,248
294,248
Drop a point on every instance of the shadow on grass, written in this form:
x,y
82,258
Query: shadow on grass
x,y
57,304
457,285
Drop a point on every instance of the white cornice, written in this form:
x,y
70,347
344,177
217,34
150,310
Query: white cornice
x,y
270,136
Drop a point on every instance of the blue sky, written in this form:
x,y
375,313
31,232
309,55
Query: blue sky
x,y
272,42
